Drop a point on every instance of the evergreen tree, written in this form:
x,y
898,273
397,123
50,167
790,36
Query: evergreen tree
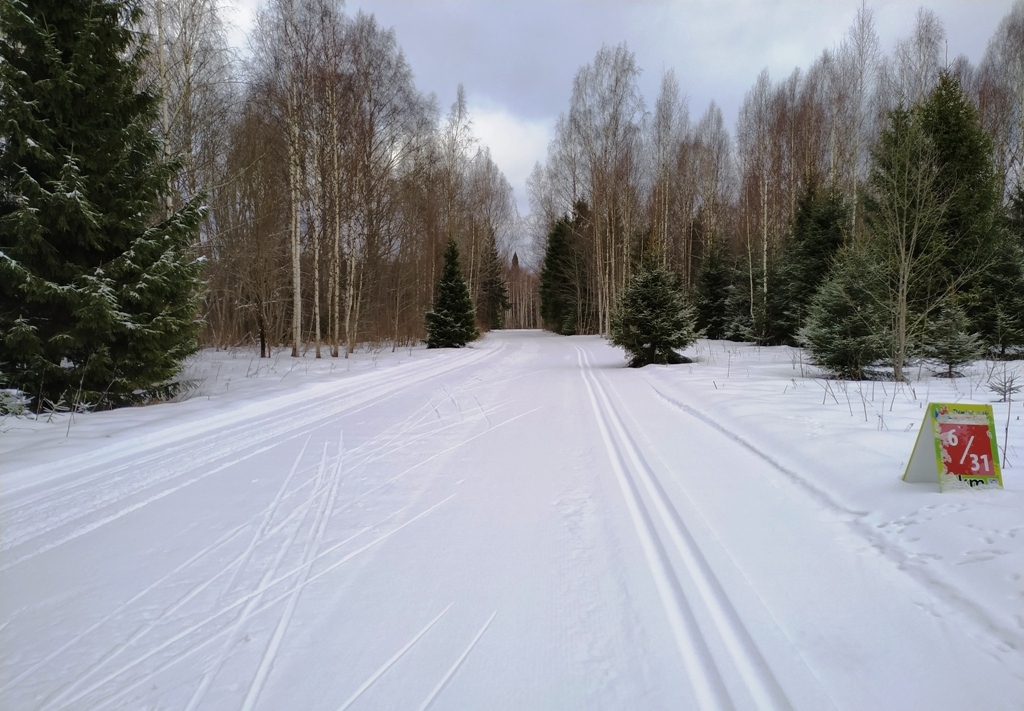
x,y
995,303
565,304
845,332
817,234
556,307
949,342
98,287
1015,215
452,323
652,320
1003,288
979,245
493,292
711,291
740,321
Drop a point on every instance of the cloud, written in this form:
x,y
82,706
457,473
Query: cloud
x,y
517,58
240,16
516,143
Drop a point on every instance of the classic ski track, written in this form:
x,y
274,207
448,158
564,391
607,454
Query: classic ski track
x,y
817,493
705,679
57,499
176,658
751,666
455,667
958,602
392,661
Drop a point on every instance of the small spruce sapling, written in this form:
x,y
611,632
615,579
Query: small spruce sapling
x,y
653,320
845,328
949,342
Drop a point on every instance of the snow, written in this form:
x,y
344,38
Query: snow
x,y
524,523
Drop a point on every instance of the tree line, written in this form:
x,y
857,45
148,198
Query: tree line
x,y
333,183
869,207
158,194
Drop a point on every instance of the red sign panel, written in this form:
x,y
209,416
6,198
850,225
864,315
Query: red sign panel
x,y
966,449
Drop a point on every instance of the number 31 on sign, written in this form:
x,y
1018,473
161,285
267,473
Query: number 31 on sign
x,y
957,442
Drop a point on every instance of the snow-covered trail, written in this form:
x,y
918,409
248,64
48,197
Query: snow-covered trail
x,y
524,524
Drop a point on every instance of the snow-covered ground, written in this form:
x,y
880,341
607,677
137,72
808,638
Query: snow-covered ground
x,y
523,524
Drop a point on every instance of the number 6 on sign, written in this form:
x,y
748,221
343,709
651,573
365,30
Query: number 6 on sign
x,y
957,442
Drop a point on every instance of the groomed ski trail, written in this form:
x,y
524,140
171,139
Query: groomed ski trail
x,y
630,466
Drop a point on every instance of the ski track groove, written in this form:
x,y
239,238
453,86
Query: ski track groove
x,y
376,447
88,528
117,610
988,628
747,659
237,603
313,543
223,442
762,684
705,679
391,662
818,494
191,594
261,534
242,421
223,540
236,565
455,667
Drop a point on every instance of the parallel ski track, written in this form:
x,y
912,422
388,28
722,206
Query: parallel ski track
x,y
455,667
392,661
312,549
991,629
636,476
166,614
368,452
211,672
156,585
176,657
265,585
156,468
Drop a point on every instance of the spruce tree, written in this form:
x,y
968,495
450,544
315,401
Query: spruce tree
x,y
949,341
98,288
562,286
995,302
653,320
982,260
711,291
452,323
845,331
1015,215
493,298
817,234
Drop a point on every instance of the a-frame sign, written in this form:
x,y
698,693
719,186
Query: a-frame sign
x,y
957,444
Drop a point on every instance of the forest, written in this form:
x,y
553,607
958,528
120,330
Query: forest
x,y
333,183
870,206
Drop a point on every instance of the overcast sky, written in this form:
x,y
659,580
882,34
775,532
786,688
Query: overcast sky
x,y
517,58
